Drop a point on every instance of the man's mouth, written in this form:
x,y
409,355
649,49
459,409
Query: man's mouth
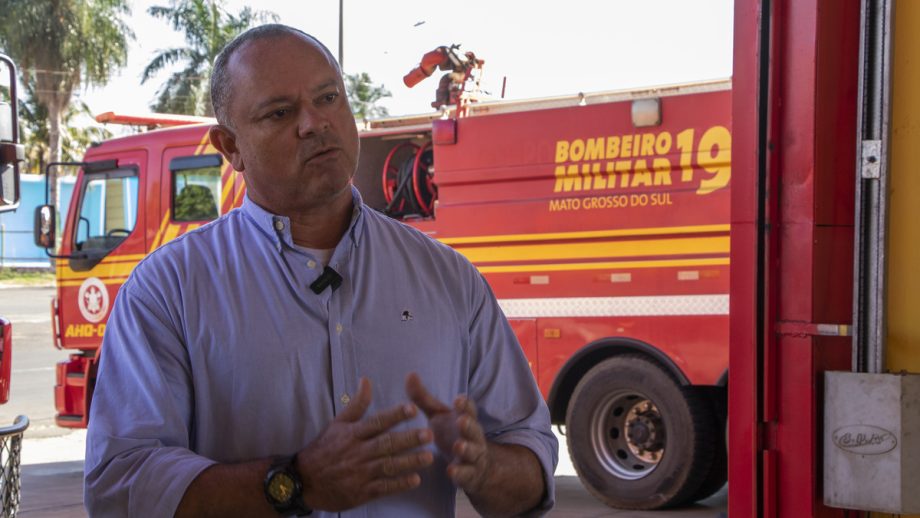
x,y
322,154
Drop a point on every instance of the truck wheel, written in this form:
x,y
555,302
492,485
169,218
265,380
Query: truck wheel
x,y
637,439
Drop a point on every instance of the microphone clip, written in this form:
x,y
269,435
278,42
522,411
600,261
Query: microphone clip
x,y
329,277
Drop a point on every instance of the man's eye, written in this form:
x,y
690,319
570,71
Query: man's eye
x,y
279,114
329,98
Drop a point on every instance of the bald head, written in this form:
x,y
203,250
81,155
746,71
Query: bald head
x,y
222,80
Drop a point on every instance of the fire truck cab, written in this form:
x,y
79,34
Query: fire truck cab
x,y
601,222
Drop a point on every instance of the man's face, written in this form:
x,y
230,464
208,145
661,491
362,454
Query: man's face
x,y
294,135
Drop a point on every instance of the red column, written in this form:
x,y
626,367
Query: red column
x,y
743,414
792,241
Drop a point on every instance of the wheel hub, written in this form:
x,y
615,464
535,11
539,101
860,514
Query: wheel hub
x,y
645,432
628,435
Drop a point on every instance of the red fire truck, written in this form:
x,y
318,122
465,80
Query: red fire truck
x,y
601,222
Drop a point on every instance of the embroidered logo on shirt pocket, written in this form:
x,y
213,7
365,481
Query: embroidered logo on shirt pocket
x,y
406,315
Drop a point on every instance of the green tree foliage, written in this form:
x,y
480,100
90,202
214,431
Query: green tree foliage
x,y
363,96
195,203
207,26
61,45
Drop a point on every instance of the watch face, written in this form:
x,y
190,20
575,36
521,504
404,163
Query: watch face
x,y
281,487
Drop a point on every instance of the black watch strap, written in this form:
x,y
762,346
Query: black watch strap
x,y
283,479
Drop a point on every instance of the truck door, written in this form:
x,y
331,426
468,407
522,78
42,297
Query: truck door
x,y
104,239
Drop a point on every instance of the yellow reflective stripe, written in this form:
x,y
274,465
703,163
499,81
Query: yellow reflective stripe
x,y
238,199
123,258
203,144
225,191
100,270
171,232
156,240
598,250
70,284
108,260
654,231
614,265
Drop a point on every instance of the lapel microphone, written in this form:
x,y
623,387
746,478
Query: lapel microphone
x,y
329,277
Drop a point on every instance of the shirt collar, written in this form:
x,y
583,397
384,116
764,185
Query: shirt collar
x,y
278,228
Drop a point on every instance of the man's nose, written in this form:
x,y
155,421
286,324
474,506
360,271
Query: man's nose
x,y
311,121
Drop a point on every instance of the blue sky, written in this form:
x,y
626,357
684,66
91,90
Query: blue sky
x,y
543,48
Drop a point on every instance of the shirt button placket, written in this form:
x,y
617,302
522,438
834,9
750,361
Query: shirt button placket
x,y
341,378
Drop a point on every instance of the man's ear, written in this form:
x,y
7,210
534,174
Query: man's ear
x,y
223,138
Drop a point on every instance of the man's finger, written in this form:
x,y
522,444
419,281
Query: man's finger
x,y
383,421
397,442
470,429
463,475
402,464
388,486
356,408
421,397
465,405
467,452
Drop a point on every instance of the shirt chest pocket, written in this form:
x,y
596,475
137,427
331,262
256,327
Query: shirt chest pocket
x,y
403,338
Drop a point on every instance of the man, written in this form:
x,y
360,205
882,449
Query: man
x,y
240,377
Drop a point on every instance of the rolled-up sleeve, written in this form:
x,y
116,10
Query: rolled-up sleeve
x,y
138,457
511,408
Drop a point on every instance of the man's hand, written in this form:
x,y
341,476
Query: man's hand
x,y
499,479
457,433
358,459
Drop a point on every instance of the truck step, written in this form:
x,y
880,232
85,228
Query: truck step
x,y
70,421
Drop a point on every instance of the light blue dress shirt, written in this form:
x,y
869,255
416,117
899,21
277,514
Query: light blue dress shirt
x,y
218,351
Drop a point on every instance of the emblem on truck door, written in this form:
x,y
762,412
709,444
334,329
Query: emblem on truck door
x,y
93,300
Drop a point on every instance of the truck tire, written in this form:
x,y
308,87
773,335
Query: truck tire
x,y
637,439
718,473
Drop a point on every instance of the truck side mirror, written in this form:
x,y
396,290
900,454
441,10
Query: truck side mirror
x,y
45,225
11,152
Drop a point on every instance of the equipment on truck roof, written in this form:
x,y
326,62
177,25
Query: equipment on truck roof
x,y
452,84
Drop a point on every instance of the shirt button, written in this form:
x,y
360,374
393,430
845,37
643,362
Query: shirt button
x,y
311,263
345,399
338,328
279,225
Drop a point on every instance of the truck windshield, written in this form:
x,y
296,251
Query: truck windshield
x,y
108,210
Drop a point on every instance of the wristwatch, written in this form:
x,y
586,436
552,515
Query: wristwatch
x,y
284,489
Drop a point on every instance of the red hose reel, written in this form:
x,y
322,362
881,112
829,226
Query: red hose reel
x,y
407,180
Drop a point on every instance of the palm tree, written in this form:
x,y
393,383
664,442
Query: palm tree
x,y
61,45
208,26
363,95
75,138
